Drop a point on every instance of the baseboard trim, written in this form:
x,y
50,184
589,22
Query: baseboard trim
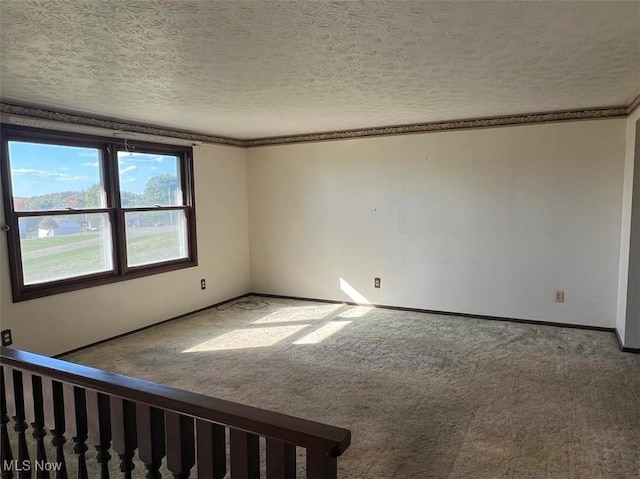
x,y
623,348
447,313
118,336
352,303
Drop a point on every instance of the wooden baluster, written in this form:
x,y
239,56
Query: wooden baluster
x,y
320,465
211,450
15,409
53,406
123,433
5,445
245,454
151,445
34,414
64,406
99,429
75,412
180,444
281,459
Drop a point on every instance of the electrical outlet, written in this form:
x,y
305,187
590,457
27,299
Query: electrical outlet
x,y
559,296
7,340
203,283
376,282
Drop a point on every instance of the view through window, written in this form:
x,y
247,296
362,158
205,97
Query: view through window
x,y
84,211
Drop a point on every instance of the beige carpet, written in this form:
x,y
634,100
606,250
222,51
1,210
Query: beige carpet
x,y
425,396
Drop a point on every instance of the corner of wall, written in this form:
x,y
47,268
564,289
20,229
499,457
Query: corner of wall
x,y
628,313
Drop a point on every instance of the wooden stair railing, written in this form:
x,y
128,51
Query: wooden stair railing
x,y
102,412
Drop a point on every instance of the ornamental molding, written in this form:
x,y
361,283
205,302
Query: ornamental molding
x,y
525,119
613,112
633,105
116,125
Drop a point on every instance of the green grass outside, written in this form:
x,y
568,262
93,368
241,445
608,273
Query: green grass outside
x,y
152,248
86,260
34,244
67,264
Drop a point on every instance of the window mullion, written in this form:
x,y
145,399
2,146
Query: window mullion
x,y
117,215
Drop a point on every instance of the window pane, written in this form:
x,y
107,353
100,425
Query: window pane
x,y
149,180
59,247
54,177
155,236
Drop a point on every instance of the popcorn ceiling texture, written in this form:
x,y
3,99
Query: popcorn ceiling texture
x,y
248,70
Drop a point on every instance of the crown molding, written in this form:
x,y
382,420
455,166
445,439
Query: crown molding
x,y
52,115
633,105
533,118
613,112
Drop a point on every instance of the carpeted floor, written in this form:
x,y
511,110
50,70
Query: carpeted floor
x,y
425,396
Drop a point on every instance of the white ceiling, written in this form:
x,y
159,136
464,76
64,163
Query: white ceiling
x,y
265,68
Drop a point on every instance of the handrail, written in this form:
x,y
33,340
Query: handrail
x,y
301,432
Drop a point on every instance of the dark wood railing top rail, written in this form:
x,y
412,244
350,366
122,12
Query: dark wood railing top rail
x,y
301,432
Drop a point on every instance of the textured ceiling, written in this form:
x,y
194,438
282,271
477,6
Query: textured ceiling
x,y
261,69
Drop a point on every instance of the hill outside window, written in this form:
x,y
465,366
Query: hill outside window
x,y
83,211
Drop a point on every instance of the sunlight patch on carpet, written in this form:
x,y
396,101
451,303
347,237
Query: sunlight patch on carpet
x,y
247,338
356,311
323,332
299,313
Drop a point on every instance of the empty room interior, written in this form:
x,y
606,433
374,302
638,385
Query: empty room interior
x,y
357,239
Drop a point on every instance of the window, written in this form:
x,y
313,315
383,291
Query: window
x,y
84,211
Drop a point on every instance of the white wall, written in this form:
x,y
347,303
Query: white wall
x,y
628,315
488,221
59,323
